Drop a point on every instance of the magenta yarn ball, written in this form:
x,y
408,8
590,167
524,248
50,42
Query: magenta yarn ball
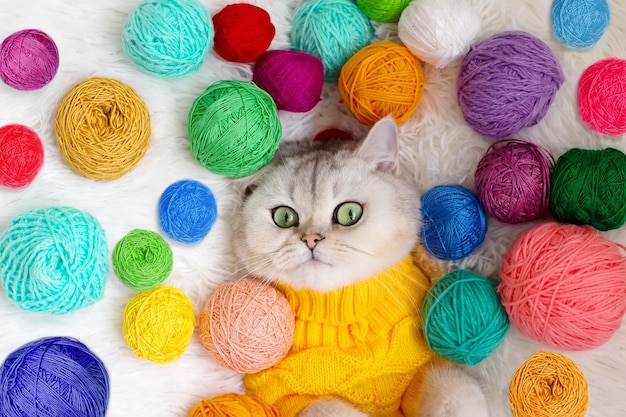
x,y
507,83
293,79
513,181
29,59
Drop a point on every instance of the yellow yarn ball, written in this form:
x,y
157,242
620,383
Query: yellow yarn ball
x,y
233,405
159,323
381,79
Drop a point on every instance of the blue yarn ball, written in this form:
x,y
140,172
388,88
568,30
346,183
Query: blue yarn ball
x,y
580,23
453,222
331,30
187,211
463,317
168,38
53,260
53,377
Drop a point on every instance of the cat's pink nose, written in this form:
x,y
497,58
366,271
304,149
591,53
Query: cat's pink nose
x,y
311,239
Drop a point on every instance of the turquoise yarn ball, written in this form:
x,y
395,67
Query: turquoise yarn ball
x,y
168,38
53,260
580,23
331,30
463,317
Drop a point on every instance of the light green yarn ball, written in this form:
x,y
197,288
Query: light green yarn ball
x,y
384,11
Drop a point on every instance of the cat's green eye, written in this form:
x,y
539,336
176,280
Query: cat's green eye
x,y
348,214
285,217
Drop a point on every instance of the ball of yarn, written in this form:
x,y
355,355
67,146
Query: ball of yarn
x,y
168,38
247,326
293,79
142,259
513,181
453,222
564,286
548,384
21,155
234,129
159,324
243,32
29,60
233,405
507,83
53,260
333,133
463,318
381,79
187,211
53,376
601,89
332,30
580,23
384,11
439,32
589,187
102,128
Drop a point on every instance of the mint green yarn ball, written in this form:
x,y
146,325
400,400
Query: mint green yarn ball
x,y
234,129
168,38
53,260
331,30
463,317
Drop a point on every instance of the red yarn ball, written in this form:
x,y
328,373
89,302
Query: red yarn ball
x,y
293,79
332,134
513,181
21,155
564,286
243,32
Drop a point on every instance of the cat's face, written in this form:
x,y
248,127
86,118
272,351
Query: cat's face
x,y
326,219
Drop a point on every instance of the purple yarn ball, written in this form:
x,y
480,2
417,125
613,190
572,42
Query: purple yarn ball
x,y
507,83
29,59
293,79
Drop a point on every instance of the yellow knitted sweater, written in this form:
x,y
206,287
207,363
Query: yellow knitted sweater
x,y
362,343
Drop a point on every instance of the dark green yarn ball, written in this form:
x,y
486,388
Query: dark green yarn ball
x,y
589,187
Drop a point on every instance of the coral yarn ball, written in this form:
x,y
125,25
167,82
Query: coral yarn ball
x,y
293,79
168,38
331,30
384,11
159,324
564,286
21,155
601,89
243,32
513,181
247,326
507,83
29,60
382,79
53,376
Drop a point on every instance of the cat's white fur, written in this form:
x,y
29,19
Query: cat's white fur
x,y
314,180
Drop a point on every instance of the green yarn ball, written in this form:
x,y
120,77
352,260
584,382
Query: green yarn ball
x,y
463,317
234,129
142,259
384,11
589,187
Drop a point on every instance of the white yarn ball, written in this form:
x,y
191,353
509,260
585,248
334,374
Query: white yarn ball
x,y
439,32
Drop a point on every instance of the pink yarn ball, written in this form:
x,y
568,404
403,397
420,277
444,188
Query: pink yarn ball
x,y
564,286
513,181
247,326
293,79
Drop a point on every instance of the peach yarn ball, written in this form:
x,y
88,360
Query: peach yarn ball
x,y
247,326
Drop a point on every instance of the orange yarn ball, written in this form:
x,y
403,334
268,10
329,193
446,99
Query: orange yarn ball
x,y
247,326
233,405
381,79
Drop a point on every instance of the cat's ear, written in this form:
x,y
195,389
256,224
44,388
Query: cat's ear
x,y
380,147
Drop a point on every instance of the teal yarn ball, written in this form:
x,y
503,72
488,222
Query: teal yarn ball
x,y
234,129
580,23
331,30
53,260
463,317
168,38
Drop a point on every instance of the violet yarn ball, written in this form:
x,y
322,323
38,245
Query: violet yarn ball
x,y
507,83
513,181
29,60
293,79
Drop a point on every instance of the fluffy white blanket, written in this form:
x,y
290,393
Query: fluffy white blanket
x,y
436,144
